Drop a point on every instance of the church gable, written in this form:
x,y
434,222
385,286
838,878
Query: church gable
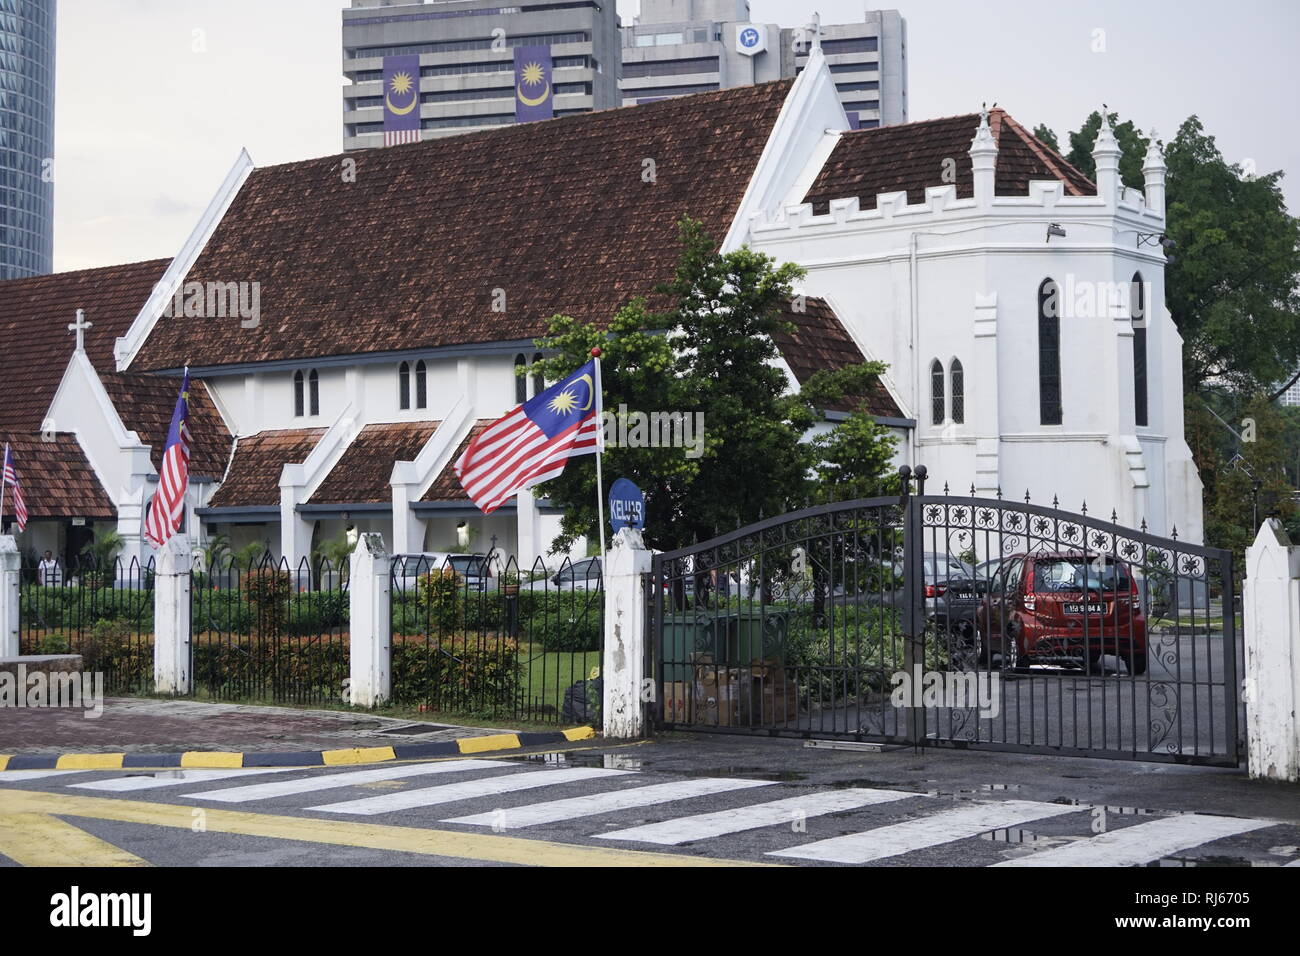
x,y
474,238
911,157
363,473
57,480
254,475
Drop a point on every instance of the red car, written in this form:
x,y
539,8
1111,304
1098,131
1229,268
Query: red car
x,y
1063,607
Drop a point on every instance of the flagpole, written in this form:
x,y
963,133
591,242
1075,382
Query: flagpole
x,y
600,454
4,484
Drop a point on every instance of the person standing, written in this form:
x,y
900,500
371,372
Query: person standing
x,y
47,572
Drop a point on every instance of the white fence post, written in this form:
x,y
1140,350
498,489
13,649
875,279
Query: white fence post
x,y
171,617
10,579
1271,604
370,623
623,667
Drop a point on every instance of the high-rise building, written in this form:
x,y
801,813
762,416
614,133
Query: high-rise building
x,y
1292,395
678,47
26,137
466,60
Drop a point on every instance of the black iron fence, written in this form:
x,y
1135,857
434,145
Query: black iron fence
x,y
100,610
486,638
963,621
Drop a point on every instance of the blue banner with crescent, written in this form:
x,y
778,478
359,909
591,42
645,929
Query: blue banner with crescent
x,y
534,92
401,93
565,403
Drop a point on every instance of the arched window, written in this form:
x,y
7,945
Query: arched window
x,y
404,385
313,392
521,381
1049,353
936,392
421,385
298,404
1138,310
539,380
957,378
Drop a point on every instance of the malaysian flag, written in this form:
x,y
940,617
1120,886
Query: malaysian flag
x,y
533,441
401,99
168,506
10,480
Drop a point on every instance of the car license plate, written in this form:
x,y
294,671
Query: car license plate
x,y
1085,608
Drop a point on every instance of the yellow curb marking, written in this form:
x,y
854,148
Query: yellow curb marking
x,y
579,733
212,759
90,762
38,839
4,761
334,758
467,846
477,745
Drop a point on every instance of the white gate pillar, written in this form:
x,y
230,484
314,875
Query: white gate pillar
x,y
1271,603
370,623
10,580
171,617
623,667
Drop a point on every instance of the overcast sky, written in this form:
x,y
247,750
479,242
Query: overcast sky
x,y
156,97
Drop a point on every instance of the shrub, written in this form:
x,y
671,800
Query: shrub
x,y
268,590
458,672
440,593
564,621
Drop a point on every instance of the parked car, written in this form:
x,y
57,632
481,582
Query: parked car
x,y
581,575
474,570
1063,608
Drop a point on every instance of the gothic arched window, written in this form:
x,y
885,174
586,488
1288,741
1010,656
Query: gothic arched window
x,y
957,379
313,392
404,385
421,385
1049,353
298,403
1138,311
521,380
936,392
539,380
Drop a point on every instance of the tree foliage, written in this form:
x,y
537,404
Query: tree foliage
x,y
711,351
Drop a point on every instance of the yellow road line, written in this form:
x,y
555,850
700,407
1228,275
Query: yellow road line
x,y
4,761
38,839
489,848
335,758
477,745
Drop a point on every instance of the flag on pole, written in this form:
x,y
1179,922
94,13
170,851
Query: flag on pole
x,y
168,506
11,481
401,99
532,442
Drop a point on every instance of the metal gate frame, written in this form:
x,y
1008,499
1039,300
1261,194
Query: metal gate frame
x,y
1074,693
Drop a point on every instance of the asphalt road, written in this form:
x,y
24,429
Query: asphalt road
x,y
680,800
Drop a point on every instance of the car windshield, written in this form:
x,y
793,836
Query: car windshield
x,y
941,567
467,564
1078,574
581,570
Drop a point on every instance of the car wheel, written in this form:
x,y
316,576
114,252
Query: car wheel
x,y
1011,655
1137,663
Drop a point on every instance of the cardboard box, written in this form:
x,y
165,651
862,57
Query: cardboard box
x,y
679,702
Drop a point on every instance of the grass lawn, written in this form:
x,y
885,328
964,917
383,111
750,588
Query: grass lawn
x,y
547,676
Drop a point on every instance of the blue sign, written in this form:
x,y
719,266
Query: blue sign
x,y
749,37
626,506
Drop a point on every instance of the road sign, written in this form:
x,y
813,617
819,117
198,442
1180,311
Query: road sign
x,y
626,506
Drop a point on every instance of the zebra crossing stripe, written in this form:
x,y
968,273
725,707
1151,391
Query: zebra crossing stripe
x,y
333,781
469,790
704,826
595,803
181,778
1142,842
933,830
16,776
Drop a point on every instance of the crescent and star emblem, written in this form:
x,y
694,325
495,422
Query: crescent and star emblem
x,y
401,84
531,75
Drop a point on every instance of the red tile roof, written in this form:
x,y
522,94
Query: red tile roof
x,y
819,342
254,476
446,487
57,480
146,403
411,254
362,475
912,156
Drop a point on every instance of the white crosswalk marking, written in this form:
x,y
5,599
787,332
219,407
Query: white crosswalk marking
x,y
180,779
1142,842
469,790
332,781
928,831
592,804
14,776
706,825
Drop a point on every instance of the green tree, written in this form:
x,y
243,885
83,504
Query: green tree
x,y
1047,136
711,350
1132,144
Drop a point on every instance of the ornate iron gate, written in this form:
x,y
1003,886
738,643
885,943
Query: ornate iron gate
x,y
937,620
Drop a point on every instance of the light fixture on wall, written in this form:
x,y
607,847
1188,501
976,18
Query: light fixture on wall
x,y
462,535
1054,229
1152,238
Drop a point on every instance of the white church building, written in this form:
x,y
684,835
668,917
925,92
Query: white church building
x,y
350,321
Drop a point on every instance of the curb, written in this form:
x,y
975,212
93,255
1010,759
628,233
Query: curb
x,y
195,759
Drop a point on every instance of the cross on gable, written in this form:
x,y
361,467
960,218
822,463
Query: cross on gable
x,y
80,327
